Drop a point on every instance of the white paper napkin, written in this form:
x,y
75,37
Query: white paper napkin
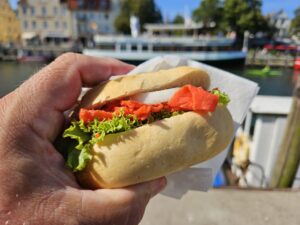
x,y
241,92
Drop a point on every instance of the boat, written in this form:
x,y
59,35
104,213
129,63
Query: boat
x,y
33,56
297,64
165,39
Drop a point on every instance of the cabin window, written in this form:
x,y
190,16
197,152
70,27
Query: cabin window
x,y
123,47
144,47
134,47
106,46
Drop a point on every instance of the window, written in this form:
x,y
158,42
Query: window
x,y
106,16
32,11
56,24
44,11
25,24
80,3
45,24
63,11
33,24
24,10
103,4
55,10
65,25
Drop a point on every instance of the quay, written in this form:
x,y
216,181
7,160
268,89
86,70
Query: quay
x,y
36,53
272,60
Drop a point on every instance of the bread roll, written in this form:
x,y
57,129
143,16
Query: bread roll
x,y
129,85
159,148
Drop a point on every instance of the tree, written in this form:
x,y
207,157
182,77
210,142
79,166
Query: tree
x,y
178,19
145,10
242,15
209,11
295,25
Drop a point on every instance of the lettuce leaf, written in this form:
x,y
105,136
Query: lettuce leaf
x,y
79,137
223,97
85,136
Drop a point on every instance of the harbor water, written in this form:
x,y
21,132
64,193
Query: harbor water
x,y
279,81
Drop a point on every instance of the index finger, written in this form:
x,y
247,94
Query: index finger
x,y
59,83
41,100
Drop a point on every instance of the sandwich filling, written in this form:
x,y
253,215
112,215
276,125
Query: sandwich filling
x,y
122,115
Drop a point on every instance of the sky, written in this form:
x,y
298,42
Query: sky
x,y
170,8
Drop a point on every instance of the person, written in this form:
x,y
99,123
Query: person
x,y
35,185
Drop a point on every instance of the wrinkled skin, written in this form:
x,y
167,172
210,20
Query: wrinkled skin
x,y
35,186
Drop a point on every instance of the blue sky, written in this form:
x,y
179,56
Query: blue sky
x,y
170,8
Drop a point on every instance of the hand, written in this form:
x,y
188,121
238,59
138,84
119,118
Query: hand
x,y
35,185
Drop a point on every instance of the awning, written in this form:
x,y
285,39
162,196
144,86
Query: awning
x,y
28,35
56,35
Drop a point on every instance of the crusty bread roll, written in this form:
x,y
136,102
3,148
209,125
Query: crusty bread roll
x,y
129,85
159,148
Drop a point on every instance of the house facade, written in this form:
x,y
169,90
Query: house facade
x,y
45,21
282,22
10,30
92,17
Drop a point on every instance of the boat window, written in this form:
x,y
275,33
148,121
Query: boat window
x,y
145,47
123,47
106,46
134,47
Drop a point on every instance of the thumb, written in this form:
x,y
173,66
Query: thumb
x,y
122,206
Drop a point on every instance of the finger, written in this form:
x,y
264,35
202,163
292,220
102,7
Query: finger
x,y
142,191
126,204
60,83
42,99
148,189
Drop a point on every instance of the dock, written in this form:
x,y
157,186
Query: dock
x,y
272,60
50,51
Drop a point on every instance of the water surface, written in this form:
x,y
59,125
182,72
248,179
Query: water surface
x,y
12,74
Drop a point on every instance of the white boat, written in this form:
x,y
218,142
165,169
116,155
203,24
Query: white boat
x,y
162,40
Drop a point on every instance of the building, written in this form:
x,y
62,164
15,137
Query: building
x,y
10,31
47,22
92,17
282,22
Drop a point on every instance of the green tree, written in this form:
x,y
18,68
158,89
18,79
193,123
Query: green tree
x,y
209,11
145,10
178,19
241,15
295,25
